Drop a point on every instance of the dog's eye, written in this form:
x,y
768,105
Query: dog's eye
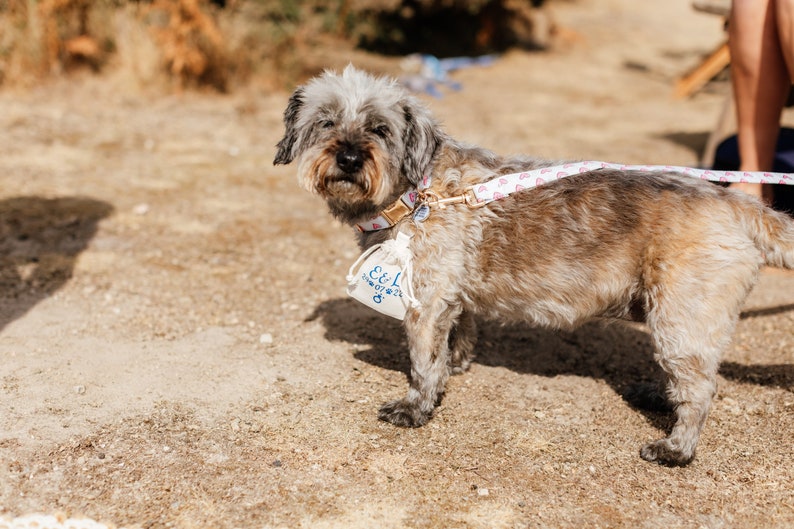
x,y
327,124
381,130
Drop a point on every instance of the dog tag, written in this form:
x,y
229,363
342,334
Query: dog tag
x,y
421,213
383,280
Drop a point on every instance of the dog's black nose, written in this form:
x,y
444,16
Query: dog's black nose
x,y
349,159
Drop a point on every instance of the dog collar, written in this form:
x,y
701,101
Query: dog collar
x,y
390,216
398,210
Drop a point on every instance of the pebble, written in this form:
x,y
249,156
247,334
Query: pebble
x,y
483,492
266,338
141,209
80,390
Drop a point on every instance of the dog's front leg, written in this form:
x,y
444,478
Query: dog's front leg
x,y
428,332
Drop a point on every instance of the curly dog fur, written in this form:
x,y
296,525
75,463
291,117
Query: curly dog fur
x,y
672,251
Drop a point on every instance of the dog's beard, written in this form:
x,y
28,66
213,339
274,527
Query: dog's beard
x,y
350,196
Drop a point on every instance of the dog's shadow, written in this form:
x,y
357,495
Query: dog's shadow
x,y
621,355
40,240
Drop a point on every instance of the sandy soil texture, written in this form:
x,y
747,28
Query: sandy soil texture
x,y
178,350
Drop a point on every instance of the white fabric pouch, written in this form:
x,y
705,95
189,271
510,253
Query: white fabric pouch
x,y
381,277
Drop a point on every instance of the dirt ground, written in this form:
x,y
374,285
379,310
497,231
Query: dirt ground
x,y
178,350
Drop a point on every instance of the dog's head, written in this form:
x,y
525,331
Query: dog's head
x,y
360,141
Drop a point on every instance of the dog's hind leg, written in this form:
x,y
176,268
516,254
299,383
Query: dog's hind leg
x,y
690,334
428,333
691,388
462,340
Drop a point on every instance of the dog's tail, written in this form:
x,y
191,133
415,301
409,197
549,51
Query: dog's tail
x,y
773,233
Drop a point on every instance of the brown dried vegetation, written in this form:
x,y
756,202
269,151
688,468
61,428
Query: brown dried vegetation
x,y
191,44
222,43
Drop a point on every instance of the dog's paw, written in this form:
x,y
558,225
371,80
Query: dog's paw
x,y
402,412
460,367
664,453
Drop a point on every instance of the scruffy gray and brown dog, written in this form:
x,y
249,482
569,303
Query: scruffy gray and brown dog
x,y
675,252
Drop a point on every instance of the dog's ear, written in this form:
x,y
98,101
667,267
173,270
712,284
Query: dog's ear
x,y
286,147
422,138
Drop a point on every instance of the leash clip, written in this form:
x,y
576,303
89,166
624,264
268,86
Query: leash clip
x,y
471,199
432,199
468,197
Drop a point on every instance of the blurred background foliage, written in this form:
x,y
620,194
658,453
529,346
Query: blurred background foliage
x,y
222,44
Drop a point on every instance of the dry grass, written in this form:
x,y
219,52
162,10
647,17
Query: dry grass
x,y
187,44
50,37
192,43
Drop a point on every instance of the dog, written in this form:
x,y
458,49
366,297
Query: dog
x,y
669,250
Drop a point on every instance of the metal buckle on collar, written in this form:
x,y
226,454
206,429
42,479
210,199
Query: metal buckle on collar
x,y
396,211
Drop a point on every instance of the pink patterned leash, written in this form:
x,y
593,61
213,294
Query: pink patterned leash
x,y
504,185
417,202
